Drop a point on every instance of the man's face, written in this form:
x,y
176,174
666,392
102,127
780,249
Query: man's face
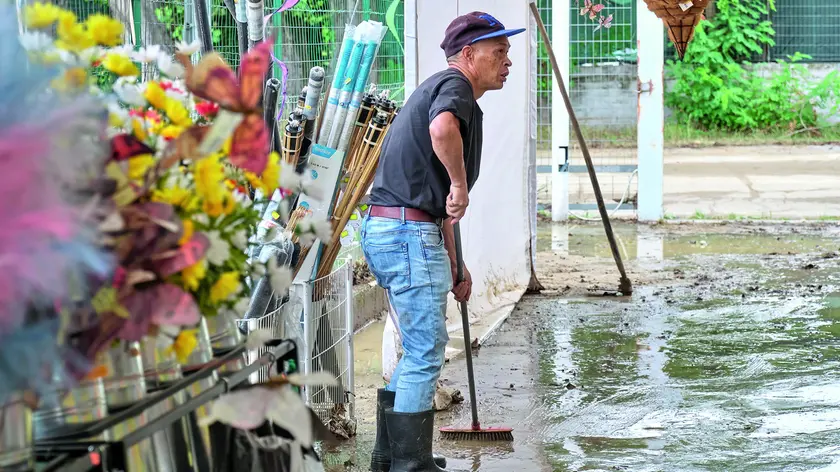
x,y
491,62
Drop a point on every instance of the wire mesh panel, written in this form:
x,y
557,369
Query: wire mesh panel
x,y
311,33
545,81
328,329
604,93
808,27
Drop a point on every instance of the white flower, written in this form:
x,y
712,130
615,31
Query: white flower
x,y
188,49
219,250
240,239
129,92
289,179
70,59
309,187
258,270
176,93
241,306
258,338
280,277
169,67
119,113
310,229
146,54
91,55
36,41
202,219
125,50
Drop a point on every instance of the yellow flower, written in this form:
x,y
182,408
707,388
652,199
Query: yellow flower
x,y
139,129
270,177
120,65
223,206
105,30
177,197
73,78
72,36
189,229
41,15
209,179
155,95
184,344
192,276
170,131
177,113
227,286
226,146
139,165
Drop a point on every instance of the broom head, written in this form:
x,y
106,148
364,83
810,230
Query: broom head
x,y
477,434
680,18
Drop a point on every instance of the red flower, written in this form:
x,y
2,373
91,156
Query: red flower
x,y
207,109
153,115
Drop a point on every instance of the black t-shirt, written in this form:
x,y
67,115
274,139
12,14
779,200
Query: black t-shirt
x,y
409,173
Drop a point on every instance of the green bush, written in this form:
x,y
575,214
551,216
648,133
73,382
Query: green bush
x,y
717,88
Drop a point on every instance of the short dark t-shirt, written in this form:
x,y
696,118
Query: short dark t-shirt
x,y
409,173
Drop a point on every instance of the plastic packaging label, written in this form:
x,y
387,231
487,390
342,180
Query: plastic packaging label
x,y
686,5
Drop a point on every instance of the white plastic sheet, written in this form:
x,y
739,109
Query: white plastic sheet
x,y
497,230
500,224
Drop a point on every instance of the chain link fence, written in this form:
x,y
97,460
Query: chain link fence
x,y
602,88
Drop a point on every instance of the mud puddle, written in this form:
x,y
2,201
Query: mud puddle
x,y
724,359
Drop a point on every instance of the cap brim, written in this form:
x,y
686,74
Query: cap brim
x,y
496,34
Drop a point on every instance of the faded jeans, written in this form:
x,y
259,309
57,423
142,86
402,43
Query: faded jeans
x,y
409,260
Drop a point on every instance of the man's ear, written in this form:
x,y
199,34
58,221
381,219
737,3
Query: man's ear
x,y
468,52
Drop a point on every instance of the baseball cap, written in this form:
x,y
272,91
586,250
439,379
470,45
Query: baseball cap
x,y
472,27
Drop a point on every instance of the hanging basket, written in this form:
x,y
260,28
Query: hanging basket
x,y
680,18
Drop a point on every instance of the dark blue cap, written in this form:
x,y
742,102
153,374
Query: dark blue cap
x,y
472,27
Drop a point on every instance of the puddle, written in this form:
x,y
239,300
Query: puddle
x,y
731,363
640,241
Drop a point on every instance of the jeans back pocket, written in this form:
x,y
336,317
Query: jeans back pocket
x,y
390,265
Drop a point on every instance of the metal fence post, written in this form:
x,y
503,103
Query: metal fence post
x,y
561,36
350,321
650,141
306,358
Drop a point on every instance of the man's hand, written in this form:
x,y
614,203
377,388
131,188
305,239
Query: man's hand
x,y
457,202
463,290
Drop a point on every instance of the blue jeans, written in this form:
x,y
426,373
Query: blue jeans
x,y
409,260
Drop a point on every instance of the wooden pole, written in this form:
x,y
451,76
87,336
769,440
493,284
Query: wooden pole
x,y
624,286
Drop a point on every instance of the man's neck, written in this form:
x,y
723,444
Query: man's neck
x,y
477,92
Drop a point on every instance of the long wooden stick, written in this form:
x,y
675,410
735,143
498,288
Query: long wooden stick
x,y
624,285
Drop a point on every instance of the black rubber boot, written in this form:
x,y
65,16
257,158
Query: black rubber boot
x,y
410,436
380,460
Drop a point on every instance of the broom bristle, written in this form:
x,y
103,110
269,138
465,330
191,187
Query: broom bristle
x,y
484,434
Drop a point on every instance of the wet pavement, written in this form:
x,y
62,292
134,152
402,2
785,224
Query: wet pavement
x,y
726,361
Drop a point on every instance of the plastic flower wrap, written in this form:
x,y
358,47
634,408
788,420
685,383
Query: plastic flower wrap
x,y
183,148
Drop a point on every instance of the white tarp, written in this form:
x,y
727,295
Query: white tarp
x,y
500,224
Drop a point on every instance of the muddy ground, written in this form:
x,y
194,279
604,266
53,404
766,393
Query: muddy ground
x,y
725,358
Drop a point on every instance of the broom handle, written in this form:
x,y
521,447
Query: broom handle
x,y
605,218
465,319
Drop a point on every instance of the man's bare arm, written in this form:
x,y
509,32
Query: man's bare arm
x,y
445,130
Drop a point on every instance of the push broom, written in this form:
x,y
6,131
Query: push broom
x,y
474,432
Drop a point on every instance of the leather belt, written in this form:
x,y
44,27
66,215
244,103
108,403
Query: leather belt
x,y
411,214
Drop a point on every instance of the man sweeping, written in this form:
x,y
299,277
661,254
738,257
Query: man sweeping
x,y
430,160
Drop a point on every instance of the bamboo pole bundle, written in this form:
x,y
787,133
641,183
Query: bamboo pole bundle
x,y
366,112
680,18
361,179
